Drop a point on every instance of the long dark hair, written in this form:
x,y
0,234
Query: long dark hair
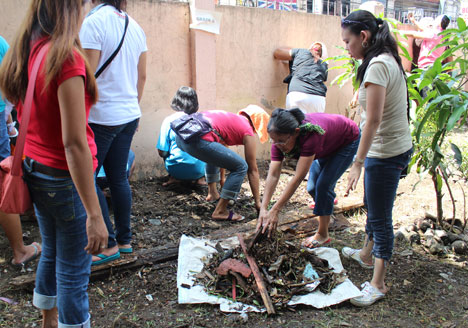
x,y
381,40
60,22
284,121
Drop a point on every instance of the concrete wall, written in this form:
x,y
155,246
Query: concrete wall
x,y
246,72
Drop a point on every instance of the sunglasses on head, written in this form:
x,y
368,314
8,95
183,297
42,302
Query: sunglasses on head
x,y
347,22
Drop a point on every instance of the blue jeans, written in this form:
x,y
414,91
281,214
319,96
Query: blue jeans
x,y
324,174
63,272
113,145
5,149
215,155
184,171
381,178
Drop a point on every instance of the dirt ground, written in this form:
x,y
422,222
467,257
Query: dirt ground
x,y
425,290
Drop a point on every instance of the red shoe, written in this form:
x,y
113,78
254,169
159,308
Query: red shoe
x,y
312,205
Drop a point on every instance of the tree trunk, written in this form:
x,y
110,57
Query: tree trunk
x,y
439,195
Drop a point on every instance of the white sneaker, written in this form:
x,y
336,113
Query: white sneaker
x,y
369,297
351,253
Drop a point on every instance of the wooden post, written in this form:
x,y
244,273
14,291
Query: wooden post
x,y
258,277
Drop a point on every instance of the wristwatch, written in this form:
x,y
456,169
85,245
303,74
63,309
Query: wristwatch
x,y
358,160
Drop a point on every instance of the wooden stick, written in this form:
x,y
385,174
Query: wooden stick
x,y
234,292
301,284
240,280
258,277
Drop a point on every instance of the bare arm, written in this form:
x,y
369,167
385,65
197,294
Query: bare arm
x,y
71,96
416,34
374,112
411,18
283,53
302,168
93,57
141,75
269,220
274,173
250,150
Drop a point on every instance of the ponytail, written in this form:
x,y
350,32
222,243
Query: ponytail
x,y
284,121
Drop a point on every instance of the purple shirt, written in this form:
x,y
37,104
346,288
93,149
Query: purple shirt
x,y
339,132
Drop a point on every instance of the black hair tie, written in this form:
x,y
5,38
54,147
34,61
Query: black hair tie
x,y
379,21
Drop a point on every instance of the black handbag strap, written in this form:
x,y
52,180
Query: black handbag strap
x,y
111,58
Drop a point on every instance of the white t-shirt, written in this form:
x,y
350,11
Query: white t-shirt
x,y
102,30
393,136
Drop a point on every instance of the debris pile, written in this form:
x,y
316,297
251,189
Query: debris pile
x,y
434,239
285,268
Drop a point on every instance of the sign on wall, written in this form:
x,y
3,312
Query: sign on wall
x,y
464,9
205,20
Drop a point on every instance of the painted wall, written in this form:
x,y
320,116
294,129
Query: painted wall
x,y
246,72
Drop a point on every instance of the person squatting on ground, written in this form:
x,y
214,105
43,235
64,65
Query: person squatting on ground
x,y
60,156
325,145
385,147
229,129
306,88
114,118
179,164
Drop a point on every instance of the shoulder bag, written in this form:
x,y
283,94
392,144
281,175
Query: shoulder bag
x,y
111,58
191,127
14,193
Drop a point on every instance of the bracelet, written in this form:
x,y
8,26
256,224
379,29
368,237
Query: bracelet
x,y
358,160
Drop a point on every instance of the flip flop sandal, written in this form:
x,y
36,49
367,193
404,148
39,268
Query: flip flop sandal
x,y
106,259
312,205
315,243
127,250
230,216
29,259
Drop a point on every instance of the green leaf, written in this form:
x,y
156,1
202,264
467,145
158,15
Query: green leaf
x,y
423,122
440,99
439,182
461,24
457,154
441,87
411,78
437,66
435,139
405,51
415,95
444,113
457,113
424,83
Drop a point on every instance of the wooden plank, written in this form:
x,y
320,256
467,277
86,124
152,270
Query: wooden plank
x,y
258,277
284,219
152,256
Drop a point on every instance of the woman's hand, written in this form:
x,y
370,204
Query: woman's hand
x,y
267,221
97,234
353,177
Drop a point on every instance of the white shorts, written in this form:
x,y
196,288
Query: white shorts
x,y
305,102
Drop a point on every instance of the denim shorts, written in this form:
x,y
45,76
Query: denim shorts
x,y
381,178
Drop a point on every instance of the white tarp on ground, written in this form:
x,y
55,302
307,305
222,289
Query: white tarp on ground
x,y
193,253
